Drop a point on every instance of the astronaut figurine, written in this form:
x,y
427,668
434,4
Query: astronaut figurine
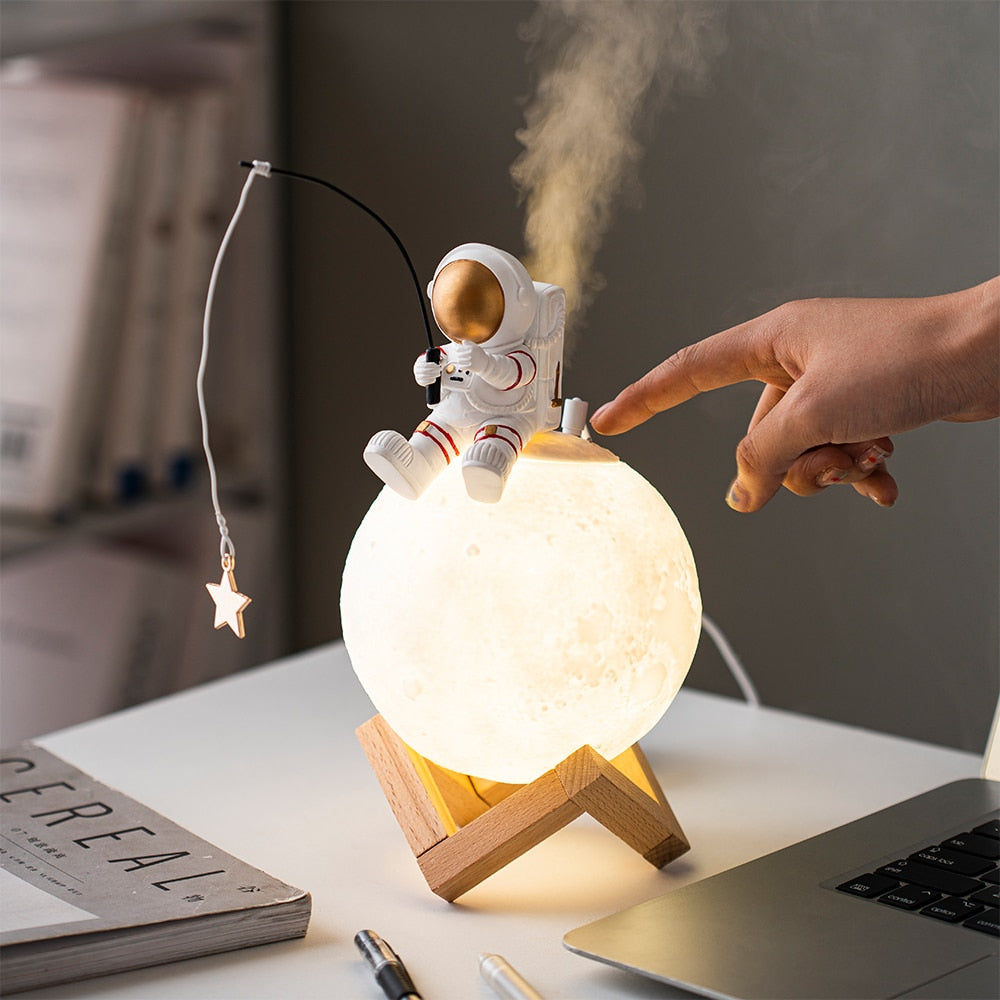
x,y
499,375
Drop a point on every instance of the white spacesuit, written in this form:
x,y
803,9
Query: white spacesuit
x,y
499,375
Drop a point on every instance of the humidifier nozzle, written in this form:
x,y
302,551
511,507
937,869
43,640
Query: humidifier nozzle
x,y
574,417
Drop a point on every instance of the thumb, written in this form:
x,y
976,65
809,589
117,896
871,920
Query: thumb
x,y
754,484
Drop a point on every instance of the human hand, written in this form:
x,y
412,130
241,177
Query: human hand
x,y
425,372
840,376
469,356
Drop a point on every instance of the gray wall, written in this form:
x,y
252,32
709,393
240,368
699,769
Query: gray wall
x,y
841,149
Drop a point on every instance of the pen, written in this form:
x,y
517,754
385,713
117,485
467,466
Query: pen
x,y
506,981
390,973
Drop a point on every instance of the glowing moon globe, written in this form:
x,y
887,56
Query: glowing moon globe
x,y
497,639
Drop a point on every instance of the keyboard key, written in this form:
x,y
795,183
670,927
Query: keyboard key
x,y
988,897
948,882
941,857
988,922
989,829
952,909
909,897
868,886
993,877
974,843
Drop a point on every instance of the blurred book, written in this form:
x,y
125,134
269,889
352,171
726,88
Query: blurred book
x,y
67,165
136,388
85,629
199,221
108,901
111,199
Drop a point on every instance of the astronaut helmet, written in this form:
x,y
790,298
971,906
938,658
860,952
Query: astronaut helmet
x,y
483,294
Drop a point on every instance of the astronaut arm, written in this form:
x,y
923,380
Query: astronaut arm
x,y
502,371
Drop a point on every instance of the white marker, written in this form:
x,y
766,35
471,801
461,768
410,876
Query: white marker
x,y
505,980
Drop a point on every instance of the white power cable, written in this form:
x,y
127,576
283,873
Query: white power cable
x,y
732,660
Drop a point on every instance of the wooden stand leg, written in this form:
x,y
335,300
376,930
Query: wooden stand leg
x,y
463,830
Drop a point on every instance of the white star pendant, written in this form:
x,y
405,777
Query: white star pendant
x,y
229,602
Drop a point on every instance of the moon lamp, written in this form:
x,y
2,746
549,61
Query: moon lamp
x,y
500,640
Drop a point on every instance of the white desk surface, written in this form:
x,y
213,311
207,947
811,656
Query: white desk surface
x,y
265,764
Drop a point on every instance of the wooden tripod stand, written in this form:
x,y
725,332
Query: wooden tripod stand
x,y
463,829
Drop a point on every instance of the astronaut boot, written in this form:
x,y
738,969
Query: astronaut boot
x,y
486,466
408,467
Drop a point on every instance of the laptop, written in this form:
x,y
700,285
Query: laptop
x,y
900,903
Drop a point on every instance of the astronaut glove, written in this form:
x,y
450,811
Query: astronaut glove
x,y
469,356
425,372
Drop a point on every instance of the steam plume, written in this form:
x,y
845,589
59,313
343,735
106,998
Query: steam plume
x,y
602,67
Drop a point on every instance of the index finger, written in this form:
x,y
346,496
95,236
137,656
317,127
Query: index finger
x,y
723,359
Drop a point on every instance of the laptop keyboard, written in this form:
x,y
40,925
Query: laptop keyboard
x,y
957,881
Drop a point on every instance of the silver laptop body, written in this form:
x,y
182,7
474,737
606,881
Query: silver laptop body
x,y
778,927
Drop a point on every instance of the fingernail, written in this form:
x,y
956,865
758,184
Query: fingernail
x,y
736,498
597,413
872,457
875,495
831,476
